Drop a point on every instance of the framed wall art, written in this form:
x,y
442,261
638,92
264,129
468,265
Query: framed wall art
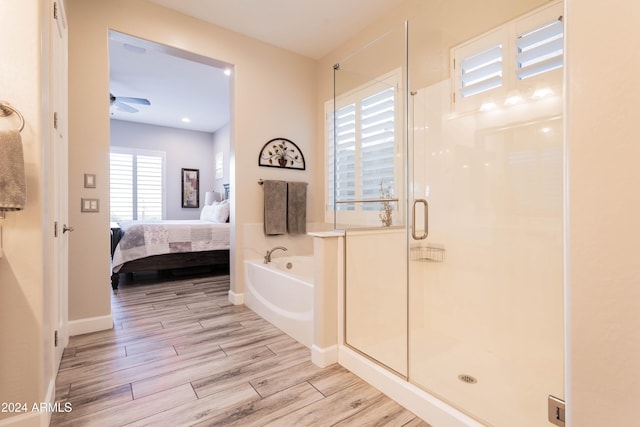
x,y
190,188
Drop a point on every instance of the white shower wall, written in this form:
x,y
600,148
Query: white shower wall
x,y
494,307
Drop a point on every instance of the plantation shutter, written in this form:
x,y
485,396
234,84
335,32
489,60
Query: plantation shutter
x,y
377,145
121,186
540,50
481,72
136,185
343,148
149,187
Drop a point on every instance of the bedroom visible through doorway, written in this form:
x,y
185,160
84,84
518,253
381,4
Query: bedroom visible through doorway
x,y
169,112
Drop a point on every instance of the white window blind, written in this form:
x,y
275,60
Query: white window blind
x,y
540,50
345,156
121,186
136,184
490,66
363,153
481,72
149,185
377,145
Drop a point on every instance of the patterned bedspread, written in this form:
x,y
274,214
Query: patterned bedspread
x,y
146,238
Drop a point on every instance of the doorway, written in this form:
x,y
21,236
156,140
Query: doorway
x,y
173,107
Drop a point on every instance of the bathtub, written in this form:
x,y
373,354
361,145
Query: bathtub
x,y
281,292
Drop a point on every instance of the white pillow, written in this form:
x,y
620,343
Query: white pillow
x,y
205,213
220,212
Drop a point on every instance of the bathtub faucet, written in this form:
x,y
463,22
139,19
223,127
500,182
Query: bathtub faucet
x,y
267,257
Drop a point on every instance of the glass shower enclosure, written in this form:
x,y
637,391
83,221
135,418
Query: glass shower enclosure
x,y
447,165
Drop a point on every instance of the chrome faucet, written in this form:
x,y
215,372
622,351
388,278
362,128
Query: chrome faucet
x,y
267,257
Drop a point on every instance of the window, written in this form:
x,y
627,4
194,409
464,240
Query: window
x,y
540,50
493,64
136,184
364,147
481,72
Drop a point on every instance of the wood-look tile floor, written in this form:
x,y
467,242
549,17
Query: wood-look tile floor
x,y
181,355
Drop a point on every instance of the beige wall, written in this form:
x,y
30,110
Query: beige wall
x,y
604,224
24,315
273,96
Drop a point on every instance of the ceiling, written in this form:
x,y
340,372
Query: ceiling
x,y
179,84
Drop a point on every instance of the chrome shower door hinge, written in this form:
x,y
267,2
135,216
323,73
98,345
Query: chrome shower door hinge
x,y
556,411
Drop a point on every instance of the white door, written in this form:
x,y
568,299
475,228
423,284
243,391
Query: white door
x,y
59,180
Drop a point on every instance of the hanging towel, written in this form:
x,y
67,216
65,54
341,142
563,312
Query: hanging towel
x,y
297,207
275,207
13,189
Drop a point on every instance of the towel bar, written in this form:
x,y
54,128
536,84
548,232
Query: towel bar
x,y
6,110
366,201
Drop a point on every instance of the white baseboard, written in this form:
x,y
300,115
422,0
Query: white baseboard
x,y
27,419
91,324
236,299
324,357
34,418
416,400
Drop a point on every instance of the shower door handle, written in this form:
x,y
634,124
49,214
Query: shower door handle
x,y
426,220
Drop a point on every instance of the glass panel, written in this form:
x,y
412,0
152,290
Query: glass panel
x,y
367,179
486,284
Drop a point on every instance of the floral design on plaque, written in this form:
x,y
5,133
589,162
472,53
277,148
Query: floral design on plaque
x,y
281,153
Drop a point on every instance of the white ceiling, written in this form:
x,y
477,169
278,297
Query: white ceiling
x,y
176,83
179,84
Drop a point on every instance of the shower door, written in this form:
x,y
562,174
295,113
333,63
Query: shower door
x,y
485,208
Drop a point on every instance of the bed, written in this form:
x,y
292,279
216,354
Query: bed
x,y
162,245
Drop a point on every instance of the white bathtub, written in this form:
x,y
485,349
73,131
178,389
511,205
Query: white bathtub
x,y
281,292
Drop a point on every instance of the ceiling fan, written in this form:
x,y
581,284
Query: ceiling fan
x,y
121,103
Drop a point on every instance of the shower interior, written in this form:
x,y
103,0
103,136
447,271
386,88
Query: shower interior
x,y
462,293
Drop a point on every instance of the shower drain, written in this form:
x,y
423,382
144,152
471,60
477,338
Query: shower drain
x,y
467,379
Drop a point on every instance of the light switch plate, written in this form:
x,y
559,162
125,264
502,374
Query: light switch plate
x,y
90,205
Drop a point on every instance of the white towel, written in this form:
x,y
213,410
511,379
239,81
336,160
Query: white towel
x,y
13,189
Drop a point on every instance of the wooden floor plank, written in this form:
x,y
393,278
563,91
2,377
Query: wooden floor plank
x,y
266,410
203,408
181,354
332,409
134,410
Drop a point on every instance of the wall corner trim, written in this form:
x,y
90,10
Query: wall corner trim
x,y
324,357
236,299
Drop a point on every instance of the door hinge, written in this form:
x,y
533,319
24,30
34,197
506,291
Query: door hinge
x,y
556,411
55,228
55,120
55,10
55,338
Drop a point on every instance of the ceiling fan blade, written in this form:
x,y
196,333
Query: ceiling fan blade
x,y
124,107
141,101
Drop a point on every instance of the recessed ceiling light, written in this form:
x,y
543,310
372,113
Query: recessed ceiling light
x,y
186,120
